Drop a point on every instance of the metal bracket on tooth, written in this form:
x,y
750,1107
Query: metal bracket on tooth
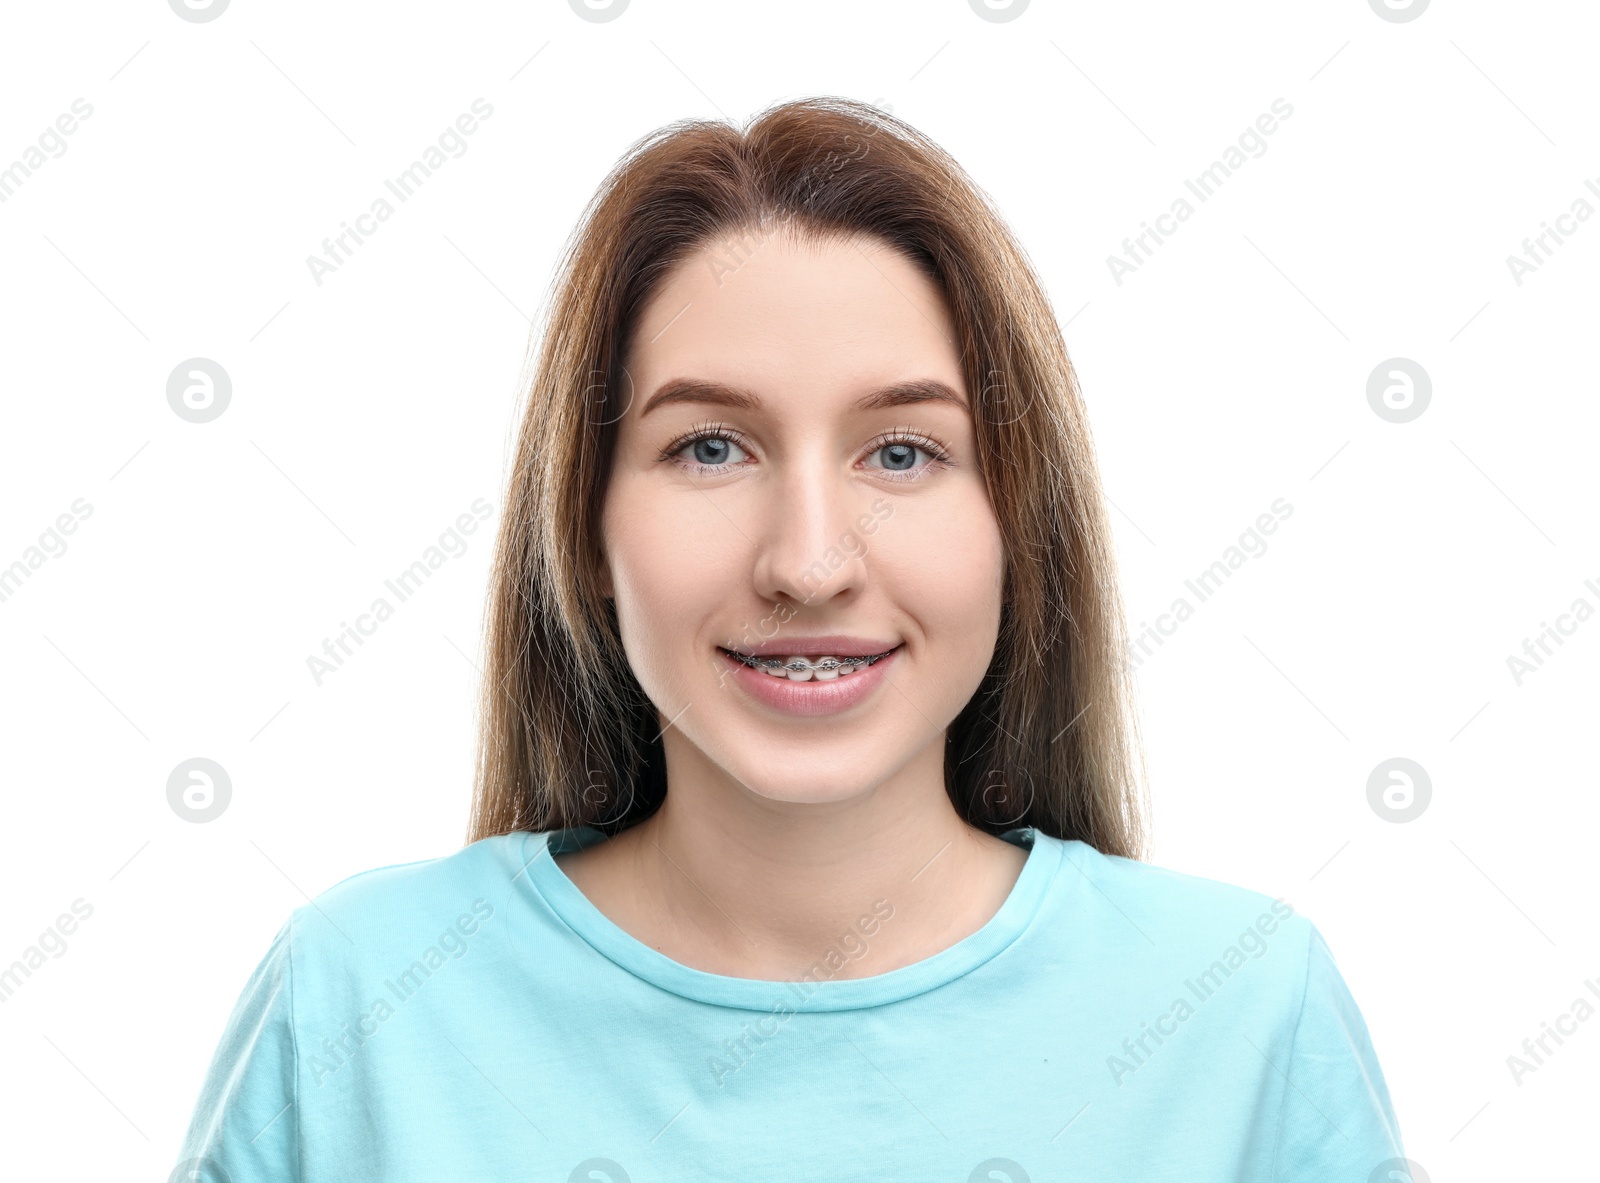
x,y
800,663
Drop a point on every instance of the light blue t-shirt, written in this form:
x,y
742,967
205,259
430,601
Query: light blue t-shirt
x,y
475,1017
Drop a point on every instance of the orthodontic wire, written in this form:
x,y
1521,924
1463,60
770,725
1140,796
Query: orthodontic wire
x,y
801,663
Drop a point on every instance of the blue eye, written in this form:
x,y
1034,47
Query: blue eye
x,y
898,457
709,451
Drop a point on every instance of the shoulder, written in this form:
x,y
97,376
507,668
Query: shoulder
x,y
1170,898
1166,893
1178,927
391,907
1208,980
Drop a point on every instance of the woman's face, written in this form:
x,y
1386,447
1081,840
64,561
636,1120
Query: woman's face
x,y
786,471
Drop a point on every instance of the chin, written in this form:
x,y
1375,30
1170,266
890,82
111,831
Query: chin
x,y
799,782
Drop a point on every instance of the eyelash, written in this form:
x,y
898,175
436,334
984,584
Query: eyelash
x,y
900,435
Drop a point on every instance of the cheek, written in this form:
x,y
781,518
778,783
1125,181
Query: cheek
x,y
949,556
974,583
672,563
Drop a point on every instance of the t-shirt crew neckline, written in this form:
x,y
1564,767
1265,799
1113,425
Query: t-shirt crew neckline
x,y
818,992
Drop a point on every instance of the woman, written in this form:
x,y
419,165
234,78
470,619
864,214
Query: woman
x,y
807,836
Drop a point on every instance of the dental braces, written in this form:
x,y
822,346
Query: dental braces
x,y
801,663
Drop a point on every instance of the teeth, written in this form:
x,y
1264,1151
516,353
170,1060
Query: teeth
x,y
802,669
798,668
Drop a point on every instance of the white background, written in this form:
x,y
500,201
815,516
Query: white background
x,y
371,410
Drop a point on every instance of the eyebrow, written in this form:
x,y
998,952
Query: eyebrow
x,y
698,390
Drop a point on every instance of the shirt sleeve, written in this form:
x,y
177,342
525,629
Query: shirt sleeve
x,y
246,1125
1337,1122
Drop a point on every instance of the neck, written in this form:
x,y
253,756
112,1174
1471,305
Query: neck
x,y
744,886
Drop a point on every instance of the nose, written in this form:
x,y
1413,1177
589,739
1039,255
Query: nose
x,y
809,552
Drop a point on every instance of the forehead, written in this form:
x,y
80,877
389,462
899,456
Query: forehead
x,y
781,311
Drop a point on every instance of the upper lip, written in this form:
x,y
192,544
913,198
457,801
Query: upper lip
x,y
829,646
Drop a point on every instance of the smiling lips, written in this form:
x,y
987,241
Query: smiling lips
x,y
823,685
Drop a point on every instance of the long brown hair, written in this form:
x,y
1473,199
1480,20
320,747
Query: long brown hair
x,y
567,735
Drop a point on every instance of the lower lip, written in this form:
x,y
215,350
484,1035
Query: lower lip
x,y
810,697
